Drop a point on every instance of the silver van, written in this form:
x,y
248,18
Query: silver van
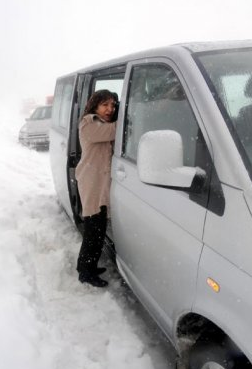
x,y
181,194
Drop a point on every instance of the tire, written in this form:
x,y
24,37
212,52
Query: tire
x,y
211,356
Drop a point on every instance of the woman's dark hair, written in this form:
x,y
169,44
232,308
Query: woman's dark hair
x,y
97,98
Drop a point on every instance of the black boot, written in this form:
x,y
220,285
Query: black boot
x,y
92,279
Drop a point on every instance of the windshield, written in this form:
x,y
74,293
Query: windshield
x,y
229,76
43,112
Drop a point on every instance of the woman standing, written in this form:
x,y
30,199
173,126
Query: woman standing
x,y
93,174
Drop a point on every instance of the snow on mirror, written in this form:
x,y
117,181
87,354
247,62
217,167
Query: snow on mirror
x,y
160,160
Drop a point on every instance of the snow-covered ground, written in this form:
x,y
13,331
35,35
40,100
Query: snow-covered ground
x,y
48,320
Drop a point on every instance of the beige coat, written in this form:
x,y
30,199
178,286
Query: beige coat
x,y
93,171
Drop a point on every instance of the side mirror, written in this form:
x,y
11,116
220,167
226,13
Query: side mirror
x,y
160,160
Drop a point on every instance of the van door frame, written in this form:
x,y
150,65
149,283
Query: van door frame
x,y
85,86
80,99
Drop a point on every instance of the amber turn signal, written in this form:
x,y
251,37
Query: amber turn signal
x,y
213,284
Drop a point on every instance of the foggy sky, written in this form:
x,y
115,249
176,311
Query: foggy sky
x,y
41,40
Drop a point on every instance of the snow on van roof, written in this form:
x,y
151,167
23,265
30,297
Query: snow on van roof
x,y
191,47
215,45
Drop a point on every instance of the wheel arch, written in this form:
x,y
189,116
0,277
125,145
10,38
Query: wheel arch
x,y
191,328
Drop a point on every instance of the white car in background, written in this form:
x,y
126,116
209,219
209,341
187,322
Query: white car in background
x,y
35,132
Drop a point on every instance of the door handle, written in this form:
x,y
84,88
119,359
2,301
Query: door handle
x,y
120,173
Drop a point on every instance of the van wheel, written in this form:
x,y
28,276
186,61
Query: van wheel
x,y
211,356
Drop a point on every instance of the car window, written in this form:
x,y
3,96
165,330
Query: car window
x,y
113,85
43,112
234,95
62,102
37,114
228,74
112,82
47,112
66,103
156,101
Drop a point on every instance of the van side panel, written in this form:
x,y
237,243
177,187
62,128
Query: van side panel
x,y
160,255
225,259
230,309
230,235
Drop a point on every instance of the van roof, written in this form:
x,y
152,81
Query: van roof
x,y
181,48
216,45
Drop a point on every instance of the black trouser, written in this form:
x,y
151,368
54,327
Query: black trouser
x,y
93,239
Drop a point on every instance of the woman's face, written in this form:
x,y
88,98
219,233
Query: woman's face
x,y
106,110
